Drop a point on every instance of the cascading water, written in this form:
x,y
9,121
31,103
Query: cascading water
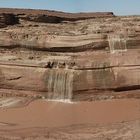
x,y
117,43
60,84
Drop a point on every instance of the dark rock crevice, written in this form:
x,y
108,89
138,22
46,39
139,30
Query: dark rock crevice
x,y
127,88
8,19
117,89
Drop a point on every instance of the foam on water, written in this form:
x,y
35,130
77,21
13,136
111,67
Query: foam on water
x,y
67,101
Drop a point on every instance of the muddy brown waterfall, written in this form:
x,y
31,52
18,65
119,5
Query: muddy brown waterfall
x,y
60,84
117,42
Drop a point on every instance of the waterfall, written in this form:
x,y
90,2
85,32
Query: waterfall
x,y
117,43
60,84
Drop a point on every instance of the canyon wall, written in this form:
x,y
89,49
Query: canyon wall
x,y
56,55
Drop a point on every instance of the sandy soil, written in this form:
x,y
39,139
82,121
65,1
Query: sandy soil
x,y
100,120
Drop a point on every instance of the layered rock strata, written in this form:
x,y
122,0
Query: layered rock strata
x,y
47,16
8,19
87,57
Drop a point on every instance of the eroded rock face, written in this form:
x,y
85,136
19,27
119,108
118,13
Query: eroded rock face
x,y
46,16
8,19
87,57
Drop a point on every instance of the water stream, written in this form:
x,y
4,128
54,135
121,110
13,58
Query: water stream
x,y
60,84
117,43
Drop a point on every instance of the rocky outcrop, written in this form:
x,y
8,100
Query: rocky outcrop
x,y
96,58
8,19
47,16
